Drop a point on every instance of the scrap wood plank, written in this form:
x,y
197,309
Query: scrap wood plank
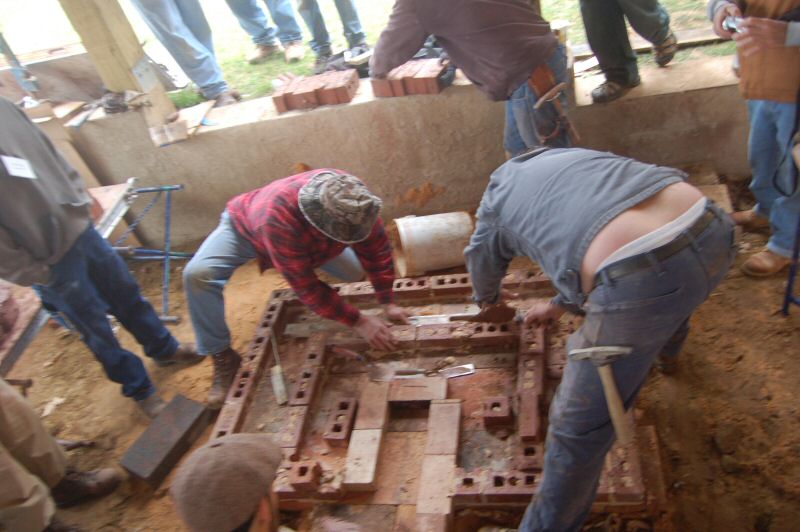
x,y
193,116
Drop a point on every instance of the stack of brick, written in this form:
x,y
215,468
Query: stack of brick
x,y
328,88
418,76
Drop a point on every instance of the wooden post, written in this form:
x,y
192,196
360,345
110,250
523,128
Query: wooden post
x,y
117,55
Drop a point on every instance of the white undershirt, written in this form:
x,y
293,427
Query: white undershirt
x,y
658,237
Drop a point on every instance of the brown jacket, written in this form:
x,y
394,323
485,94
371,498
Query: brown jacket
x,y
496,43
772,74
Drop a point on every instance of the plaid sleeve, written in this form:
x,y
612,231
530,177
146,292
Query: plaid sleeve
x,y
287,249
375,255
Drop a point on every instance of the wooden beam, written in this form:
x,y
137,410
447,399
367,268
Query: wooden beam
x,y
117,55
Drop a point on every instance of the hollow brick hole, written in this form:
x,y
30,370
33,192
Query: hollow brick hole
x,y
306,374
300,394
529,480
513,481
337,427
491,328
499,481
469,482
303,471
344,405
530,451
496,407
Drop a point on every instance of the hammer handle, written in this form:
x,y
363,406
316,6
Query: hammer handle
x,y
620,419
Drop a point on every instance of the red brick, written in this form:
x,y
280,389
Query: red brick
x,y
510,487
493,334
373,411
497,412
436,485
528,418
362,460
344,84
281,98
304,95
304,476
419,390
395,78
530,457
410,85
437,335
340,422
305,389
381,88
451,284
428,74
532,340
468,487
530,373
315,351
411,288
444,427
405,336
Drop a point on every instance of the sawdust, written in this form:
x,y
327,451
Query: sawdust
x,y
727,422
421,195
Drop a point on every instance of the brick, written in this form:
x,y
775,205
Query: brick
x,y
411,288
292,433
468,487
373,406
395,78
419,390
530,373
444,427
304,95
305,389
528,418
344,84
493,334
438,335
357,292
510,487
326,94
410,84
274,315
405,336
530,457
281,97
497,412
340,422
428,74
169,436
362,460
315,352
381,88
451,284
304,476
532,340
436,485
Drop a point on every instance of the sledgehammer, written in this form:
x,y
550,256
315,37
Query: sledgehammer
x,y
602,357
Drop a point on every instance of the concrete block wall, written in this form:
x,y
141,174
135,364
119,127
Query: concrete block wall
x,y
421,154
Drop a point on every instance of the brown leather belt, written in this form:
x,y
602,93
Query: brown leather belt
x,y
660,254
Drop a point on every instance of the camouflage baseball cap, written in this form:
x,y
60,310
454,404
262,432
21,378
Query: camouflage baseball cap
x,y
340,206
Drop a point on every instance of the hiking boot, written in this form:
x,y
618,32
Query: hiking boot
x,y
227,98
57,526
294,51
185,354
750,220
765,264
665,52
611,90
79,486
151,405
262,53
321,63
226,364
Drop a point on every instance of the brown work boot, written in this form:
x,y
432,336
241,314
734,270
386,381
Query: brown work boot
x,y
294,51
151,405
78,486
750,220
227,98
57,526
226,364
609,91
185,354
262,53
765,264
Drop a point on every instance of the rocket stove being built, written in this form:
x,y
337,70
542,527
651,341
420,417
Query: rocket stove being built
x,y
367,442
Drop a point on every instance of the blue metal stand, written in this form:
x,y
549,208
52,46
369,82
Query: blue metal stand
x,y
791,298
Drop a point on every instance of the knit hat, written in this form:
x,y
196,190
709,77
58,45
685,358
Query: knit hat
x,y
340,206
219,486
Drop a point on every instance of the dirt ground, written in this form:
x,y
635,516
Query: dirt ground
x,y
727,421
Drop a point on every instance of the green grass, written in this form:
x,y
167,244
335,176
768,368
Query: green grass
x,y
39,24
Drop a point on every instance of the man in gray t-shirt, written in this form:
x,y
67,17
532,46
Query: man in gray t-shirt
x,y
570,210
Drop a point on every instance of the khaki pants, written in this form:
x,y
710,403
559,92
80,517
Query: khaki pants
x,y
30,463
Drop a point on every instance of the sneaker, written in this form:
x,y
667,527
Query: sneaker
x,y
262,53
765,264
611,90
321,63
79,486
185,354
151,405
665,51
294,51
227,98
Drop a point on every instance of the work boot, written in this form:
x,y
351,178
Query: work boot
x,y
227,98
57,526
765,264
151,405
294,51
226,364
262,53
79,486
185,354
750,220
612,90
665,52
321,63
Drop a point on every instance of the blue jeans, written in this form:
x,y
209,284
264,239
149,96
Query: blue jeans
x,y
646,310
206,275
771,126
320,40
253,20
524,125
608,35
182,28
90,281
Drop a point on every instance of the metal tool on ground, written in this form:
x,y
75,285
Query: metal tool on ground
x,y
166,254
499,313
602,357
276,374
